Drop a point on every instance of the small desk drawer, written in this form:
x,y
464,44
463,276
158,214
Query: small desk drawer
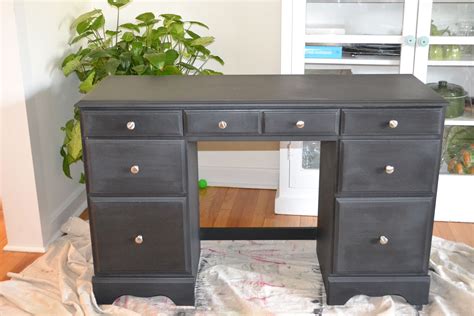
x,y
222,122
383,235
392,122
140,236
319,122
129,123
135,167
389,165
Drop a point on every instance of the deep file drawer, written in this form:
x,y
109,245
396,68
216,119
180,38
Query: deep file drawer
x,y
392,121
128,123
222,122
389,165
140,235
382,235
135,167
316,122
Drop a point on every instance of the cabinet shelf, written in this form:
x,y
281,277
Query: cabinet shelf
x,y
465,120
451,40
353,39
379,61
451,63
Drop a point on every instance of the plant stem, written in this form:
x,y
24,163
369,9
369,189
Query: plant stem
x,y
117,28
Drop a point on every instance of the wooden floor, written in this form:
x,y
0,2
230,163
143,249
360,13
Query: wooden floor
x,y
232,207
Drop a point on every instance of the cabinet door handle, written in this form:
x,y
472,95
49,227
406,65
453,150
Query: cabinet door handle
x,y
139,239
423,41
134,169
222,124
389,169
131,125
300,124
393,123
383,240
410,40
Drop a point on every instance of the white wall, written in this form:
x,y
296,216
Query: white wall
x,y
18,188
42,34
37,197
247,36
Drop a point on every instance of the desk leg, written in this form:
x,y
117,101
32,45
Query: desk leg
x,y
327,189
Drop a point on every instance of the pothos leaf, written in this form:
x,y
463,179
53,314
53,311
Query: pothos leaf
x,y
156,59
169,70
145,17
71,65
203,41
98,22
170,56
210,72
111,66
66,165
139,69
84,17
79,37
128,36
88,84
217,58
130,26
192,34
198,23
118,3
169,16
83,178
74,146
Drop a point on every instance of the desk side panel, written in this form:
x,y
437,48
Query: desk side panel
x,y
326,213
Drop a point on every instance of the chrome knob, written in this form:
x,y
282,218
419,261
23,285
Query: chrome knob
x,y
393,123
222,124
134,169
300,124
131,125
389,169
139,239
383,240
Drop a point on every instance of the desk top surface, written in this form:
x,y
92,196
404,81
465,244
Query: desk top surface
x,y
231,90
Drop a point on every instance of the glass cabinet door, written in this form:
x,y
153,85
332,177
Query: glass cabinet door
x,y
362,36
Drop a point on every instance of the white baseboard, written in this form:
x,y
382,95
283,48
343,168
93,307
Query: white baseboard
x,y
254,178
454,199
303,205
74,205
24,249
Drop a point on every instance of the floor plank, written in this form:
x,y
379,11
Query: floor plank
x,y
234,207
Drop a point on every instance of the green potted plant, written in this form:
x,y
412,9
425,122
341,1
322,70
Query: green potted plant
x,y
151,45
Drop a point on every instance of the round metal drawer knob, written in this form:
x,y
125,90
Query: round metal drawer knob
x,y
131,125
139,239
393,123
135,169
300,124
222,124
383,240
389,169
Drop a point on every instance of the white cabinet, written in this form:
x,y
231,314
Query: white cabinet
x,y
434,40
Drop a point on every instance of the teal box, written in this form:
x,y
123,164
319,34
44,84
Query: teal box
x,y
323,52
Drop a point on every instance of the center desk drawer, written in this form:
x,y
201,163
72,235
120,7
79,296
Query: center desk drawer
x,y
392,121
135,167
135,123
136,236
389,165
319,122
382,235
222,122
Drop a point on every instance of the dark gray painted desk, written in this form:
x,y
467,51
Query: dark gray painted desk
x,y
381,143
